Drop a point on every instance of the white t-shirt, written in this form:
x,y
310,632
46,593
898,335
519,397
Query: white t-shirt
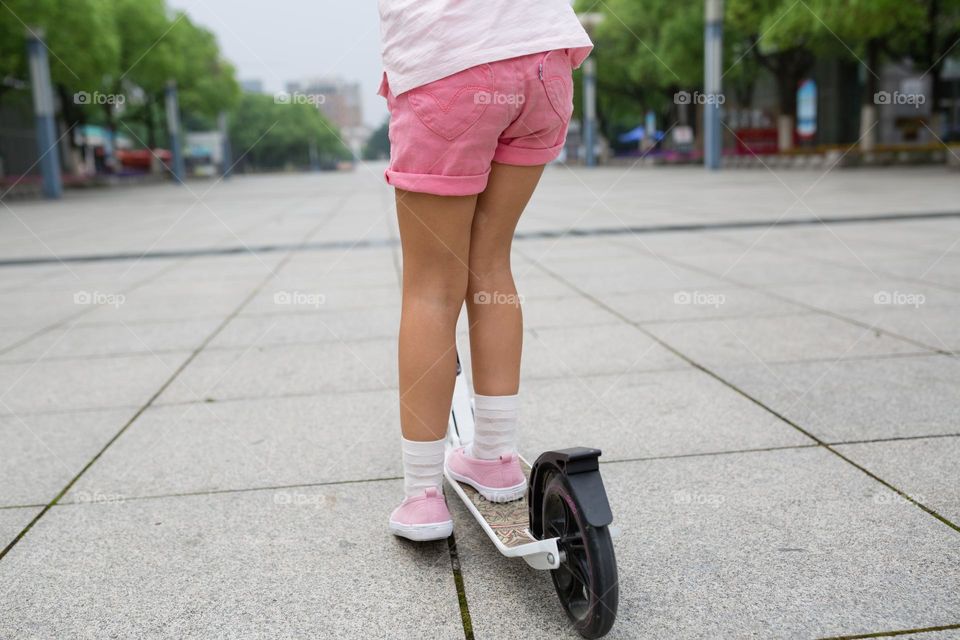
x,y
425,40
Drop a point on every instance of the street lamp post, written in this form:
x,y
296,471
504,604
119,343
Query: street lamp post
x,y
173,128
47,142
712,83
589,21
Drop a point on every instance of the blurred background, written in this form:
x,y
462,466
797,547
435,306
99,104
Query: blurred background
x,y
290,86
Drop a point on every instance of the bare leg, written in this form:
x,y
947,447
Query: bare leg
x,y
435,237
496,321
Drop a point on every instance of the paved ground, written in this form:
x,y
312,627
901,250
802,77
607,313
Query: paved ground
x,y
204,443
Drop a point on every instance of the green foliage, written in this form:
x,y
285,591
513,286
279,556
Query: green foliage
x,y
269,135
378,146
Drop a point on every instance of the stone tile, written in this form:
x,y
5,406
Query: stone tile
x,y
697,304
925,469
262,371
323,325
84,340
95,383
859,399
43,452
570,311
12,522
251,443
664,413
306,562
792,543
776,339
937,327
273,298
587,351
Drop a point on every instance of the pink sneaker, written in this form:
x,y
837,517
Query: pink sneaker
x,y
499,480
422,517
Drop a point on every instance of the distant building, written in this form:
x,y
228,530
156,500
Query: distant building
x,y
340,102
252,86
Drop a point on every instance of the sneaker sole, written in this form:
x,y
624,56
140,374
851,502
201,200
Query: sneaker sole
x,y
493,494
422,532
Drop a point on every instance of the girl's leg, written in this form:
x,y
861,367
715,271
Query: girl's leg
x,y
496,320
435,238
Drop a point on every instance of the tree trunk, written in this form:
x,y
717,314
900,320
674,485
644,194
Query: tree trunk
x,y
868,103
787,117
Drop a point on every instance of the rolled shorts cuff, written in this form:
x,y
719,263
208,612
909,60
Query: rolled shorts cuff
x,y
436,184
505,154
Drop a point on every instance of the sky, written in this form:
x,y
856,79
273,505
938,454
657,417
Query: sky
x,y
276,41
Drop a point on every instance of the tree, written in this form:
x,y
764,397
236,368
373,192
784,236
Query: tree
x,y
378,146
268,134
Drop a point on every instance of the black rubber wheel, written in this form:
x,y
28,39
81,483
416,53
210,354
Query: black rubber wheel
x,y
586,580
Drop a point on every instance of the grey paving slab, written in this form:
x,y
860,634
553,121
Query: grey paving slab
x,y
640,274
563,312
562,352
36,308
251,443
869,294
759,268
776,339
302,296
928,470
94,383
43,452
935,326
173,301
785,544
697,304
322,324
294,563
12,522
664,413
76,339
261,371
859,399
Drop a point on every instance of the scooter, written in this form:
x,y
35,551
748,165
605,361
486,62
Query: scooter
x,y
561,525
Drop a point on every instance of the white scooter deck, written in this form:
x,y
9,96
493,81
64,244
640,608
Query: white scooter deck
x,y
505,523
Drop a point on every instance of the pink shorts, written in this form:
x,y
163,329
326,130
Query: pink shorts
x,y
445,134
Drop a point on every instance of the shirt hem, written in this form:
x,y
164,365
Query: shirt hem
x,y
401,83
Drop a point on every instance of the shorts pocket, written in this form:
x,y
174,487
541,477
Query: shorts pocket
x,y
556,73
451,105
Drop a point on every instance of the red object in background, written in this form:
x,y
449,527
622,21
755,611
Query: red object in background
x,y
756,141
142,159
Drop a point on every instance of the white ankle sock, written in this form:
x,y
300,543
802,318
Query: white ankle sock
x,y
422,465
495,431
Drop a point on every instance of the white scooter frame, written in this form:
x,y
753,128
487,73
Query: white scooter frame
x,y
539,554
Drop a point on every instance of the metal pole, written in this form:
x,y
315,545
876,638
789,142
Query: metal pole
x,y
173,128
712,84
589,111
227,150
43,110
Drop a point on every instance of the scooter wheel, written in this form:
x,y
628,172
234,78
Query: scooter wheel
x,y
586,580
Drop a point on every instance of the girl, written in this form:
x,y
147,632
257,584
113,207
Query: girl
x,y
480,94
